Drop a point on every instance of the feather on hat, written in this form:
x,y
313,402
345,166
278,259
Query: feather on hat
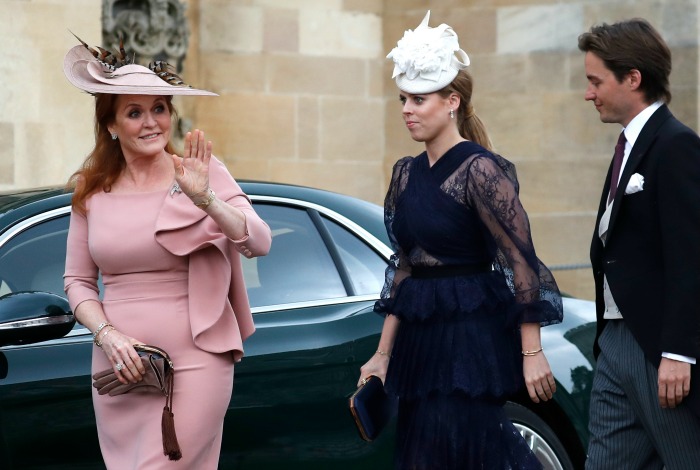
x,y
101,71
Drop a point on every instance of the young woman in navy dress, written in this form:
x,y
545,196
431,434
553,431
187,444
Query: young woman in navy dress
x,y
465,294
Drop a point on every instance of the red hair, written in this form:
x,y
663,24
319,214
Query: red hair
x,y
105,163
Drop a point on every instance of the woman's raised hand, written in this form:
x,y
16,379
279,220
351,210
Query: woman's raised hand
x,y
192,170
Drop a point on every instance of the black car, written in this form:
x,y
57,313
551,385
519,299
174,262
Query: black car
x,y
312,300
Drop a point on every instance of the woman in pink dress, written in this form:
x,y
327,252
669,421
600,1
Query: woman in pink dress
x,y
165,233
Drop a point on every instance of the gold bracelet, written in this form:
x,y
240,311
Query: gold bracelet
x,y
98,342
532,353
99,328
204,204
383,353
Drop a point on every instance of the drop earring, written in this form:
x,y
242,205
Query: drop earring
x,y
114,136
452,114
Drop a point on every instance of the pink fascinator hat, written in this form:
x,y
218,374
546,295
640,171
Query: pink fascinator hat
x,y
427,59
100,71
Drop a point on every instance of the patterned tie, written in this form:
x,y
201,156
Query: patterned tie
x,y
617,164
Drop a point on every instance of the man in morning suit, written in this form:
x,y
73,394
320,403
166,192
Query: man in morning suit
x,y
645,253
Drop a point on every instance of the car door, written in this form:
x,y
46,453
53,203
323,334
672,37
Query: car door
x,y
312,298
45,401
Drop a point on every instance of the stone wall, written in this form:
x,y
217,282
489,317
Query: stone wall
x,y
306,95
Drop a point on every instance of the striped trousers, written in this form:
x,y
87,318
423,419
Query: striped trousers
x,y
629,429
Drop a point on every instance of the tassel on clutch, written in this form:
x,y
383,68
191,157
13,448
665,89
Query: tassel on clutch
x,y
159,379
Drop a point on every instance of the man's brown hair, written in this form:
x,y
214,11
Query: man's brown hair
x,y
632,44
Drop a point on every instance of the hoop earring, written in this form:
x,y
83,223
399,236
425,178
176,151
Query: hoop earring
x,y
114,136
452,114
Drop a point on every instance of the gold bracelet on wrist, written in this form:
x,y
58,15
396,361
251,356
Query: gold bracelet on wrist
x,y
204,204
98,341
100,327
532,353
383,353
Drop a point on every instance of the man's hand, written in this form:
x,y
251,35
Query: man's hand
x,y
674,382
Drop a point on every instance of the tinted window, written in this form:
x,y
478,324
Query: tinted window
x,y
365,267
35,258
298,267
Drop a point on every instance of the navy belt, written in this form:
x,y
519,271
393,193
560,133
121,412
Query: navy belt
x,y
429,272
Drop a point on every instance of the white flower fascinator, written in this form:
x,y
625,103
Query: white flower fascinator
x,y
427,59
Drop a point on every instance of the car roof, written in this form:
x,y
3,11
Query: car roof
x,y
21,204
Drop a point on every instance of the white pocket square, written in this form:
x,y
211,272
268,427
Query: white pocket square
x,y
635,184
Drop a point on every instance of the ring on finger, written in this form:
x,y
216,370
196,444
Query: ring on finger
x,y
119,366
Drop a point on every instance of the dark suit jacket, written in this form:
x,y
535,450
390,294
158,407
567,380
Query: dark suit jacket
x,y
652,254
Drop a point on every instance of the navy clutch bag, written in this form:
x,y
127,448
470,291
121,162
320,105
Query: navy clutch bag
x,y
370,407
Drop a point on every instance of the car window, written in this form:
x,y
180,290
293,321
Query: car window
x,y
35,258
298,267
364,265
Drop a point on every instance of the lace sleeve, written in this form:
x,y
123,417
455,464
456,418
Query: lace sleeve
x,y
492,190
397,270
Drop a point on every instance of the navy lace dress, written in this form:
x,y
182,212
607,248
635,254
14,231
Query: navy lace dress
x,y
463,278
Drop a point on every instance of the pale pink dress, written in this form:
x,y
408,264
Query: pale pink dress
x,y
146,297
174,280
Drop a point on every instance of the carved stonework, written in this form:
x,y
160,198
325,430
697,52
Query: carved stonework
x,y
152,29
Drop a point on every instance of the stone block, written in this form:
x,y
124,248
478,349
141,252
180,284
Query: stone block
x,y
233,73
562,242
351,130
302,4
571,127
577,71
316,75
310,128
539,28
375,77
685,107
562,239
365,6
37,170
547,71
228,27
339,34
498,73
281,30
408,8
513,121
684,74
251,125
611,12
248,168
7,153
46,22
679,25
561,185
476,27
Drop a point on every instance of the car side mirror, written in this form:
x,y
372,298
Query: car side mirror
x,y
31,317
